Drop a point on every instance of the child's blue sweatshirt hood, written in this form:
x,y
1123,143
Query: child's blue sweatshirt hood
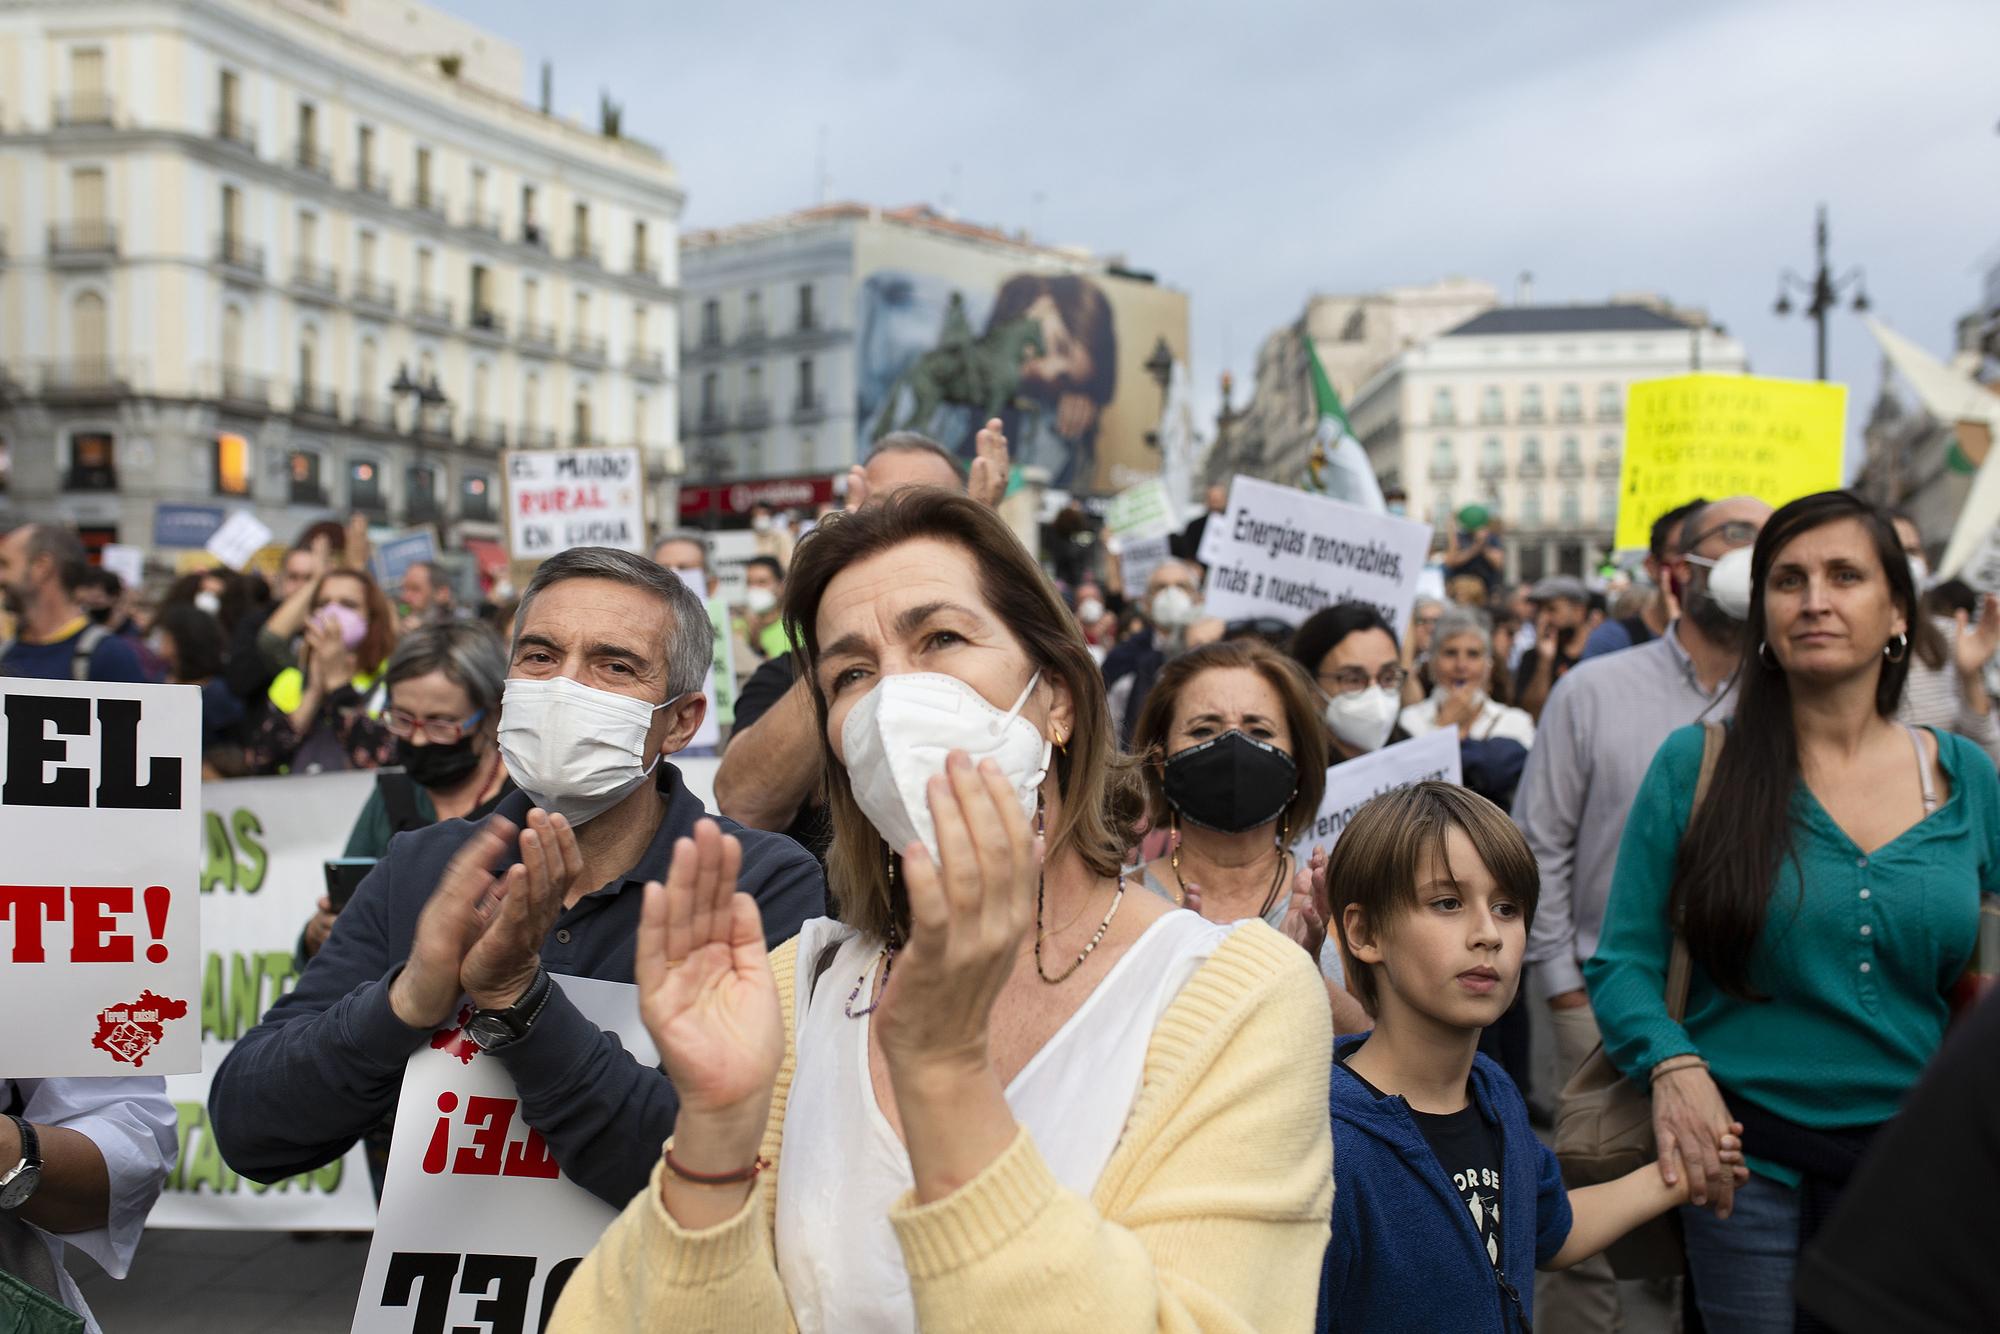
x,y
1405,1254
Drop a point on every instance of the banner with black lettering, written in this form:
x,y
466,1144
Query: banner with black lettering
x,y
479,1227
265,842
1432,757
99,843
1284,553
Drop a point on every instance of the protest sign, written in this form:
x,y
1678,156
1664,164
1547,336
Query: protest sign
x,y
1284,553
238,539
1141,511
127,562
1138,558
185,525
264,844
710,731
1350,786
729,553
479,1226
102,836
1726,435
563,498
394,556
1982,570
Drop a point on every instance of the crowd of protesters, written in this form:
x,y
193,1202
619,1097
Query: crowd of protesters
x,y
957,802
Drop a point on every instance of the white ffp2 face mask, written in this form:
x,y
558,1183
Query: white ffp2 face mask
x,y
573,748
897,736
757,601
1363,719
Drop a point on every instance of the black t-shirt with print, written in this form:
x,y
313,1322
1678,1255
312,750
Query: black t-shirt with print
x,y
1469,1151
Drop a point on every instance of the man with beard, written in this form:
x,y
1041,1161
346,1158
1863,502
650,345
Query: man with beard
x,y
42,567
1604,720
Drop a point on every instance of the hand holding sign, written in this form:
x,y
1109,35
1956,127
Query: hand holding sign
x,y
709,1000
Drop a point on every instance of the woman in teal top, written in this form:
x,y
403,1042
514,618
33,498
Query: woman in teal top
x,y
1828,891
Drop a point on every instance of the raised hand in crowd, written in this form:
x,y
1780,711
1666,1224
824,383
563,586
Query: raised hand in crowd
x,y
504,959
1974,645
991,465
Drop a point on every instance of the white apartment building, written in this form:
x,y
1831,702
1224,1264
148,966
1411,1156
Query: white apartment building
x,y
310,256
1521,409
800,329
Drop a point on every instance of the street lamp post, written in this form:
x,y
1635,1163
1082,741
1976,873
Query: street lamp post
x,y
428,397
1824,289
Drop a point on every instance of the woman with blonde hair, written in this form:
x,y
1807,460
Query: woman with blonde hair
x,y
1001,1092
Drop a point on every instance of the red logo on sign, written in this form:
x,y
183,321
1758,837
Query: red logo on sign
x,y
454,1041
130,1031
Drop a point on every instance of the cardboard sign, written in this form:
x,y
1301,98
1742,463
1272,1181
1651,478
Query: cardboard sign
x,y
479,1227
1350,786
1137,559
241,534
394,556
127,562
1283,553
264,843
563,498
100,930
1141,511
185,525
729,553
1726,435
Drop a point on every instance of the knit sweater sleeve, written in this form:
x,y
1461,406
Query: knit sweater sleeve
x,y
648,1273
1212,1213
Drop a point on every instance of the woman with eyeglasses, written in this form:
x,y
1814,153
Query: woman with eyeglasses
x,y
444,686
1493,739
1351,654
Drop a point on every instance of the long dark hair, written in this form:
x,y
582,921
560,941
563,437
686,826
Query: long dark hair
x,y
1734,846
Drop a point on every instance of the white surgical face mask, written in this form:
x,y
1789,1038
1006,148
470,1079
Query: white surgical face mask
x,y
759,600
1363,719
208,602
897,736
1173,608
578,751
1728,581
1090,611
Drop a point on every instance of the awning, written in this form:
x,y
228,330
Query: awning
x,y
737,498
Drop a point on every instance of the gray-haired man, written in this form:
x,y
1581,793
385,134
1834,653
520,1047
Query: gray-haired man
x,y
605,682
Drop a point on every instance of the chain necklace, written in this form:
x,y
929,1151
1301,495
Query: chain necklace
x,y
888,957
1041,933
1270,895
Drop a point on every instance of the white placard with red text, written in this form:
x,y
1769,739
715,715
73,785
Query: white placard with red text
x,y
478,1228
563,498
100,852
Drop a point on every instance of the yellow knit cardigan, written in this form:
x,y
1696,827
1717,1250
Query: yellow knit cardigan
x,y
1211,1214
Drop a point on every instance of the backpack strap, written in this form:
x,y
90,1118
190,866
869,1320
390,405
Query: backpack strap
x,y
1680,964
399,800
86,648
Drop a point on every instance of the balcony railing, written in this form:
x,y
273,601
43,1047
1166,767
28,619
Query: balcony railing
x,y
487,324
243,258
431,311
426,200
232,129
809,407
482,220
1531,414
375,414
85,109
1569,412
310,400
533,336
534,234
711,337
1492,469
585,440
374,294
755,414
586,350
1610,412
92,240
535,437
1607,466
318,282
371,181
1531,469
434,425
1491,416
486,433
750,335
647,364
245,392
84,378
645,266
583,252
1444,472
712,421
312,159
1569,468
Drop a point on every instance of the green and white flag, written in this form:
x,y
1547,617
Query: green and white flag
x,y
1338,466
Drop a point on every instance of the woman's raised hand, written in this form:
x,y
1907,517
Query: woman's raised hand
x,y
705,987
968,916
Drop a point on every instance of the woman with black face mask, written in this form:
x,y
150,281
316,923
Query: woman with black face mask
x,y
1235,762
444,684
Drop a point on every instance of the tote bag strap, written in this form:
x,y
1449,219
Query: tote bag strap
x,y
1680,965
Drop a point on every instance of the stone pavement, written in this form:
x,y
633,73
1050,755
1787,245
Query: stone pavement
x,y
190,1282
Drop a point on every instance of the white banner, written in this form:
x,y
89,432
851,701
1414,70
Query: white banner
x,y
1141,511
479,1227
563,498
1281,552
1350,786
99,843
266,842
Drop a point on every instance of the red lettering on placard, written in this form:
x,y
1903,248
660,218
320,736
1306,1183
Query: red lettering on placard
x,y
30,907
565,500
94,912
493,1151
158,898
487,1154
531,1158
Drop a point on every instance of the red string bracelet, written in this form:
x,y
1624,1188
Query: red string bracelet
x,y
735,1178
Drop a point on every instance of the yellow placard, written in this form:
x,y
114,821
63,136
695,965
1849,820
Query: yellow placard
x,y
1726,435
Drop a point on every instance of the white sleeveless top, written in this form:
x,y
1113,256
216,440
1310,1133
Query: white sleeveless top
x,y
844,1167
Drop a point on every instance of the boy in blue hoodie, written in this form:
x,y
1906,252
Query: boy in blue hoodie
x,y
1445,1203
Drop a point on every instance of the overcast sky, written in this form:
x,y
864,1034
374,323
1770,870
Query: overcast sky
x,y
1254,153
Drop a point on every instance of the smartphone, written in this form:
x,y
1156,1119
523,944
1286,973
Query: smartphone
x,y
343,876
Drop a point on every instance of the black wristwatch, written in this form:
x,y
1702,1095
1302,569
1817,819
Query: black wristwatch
x,y
493,1029
24,1176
